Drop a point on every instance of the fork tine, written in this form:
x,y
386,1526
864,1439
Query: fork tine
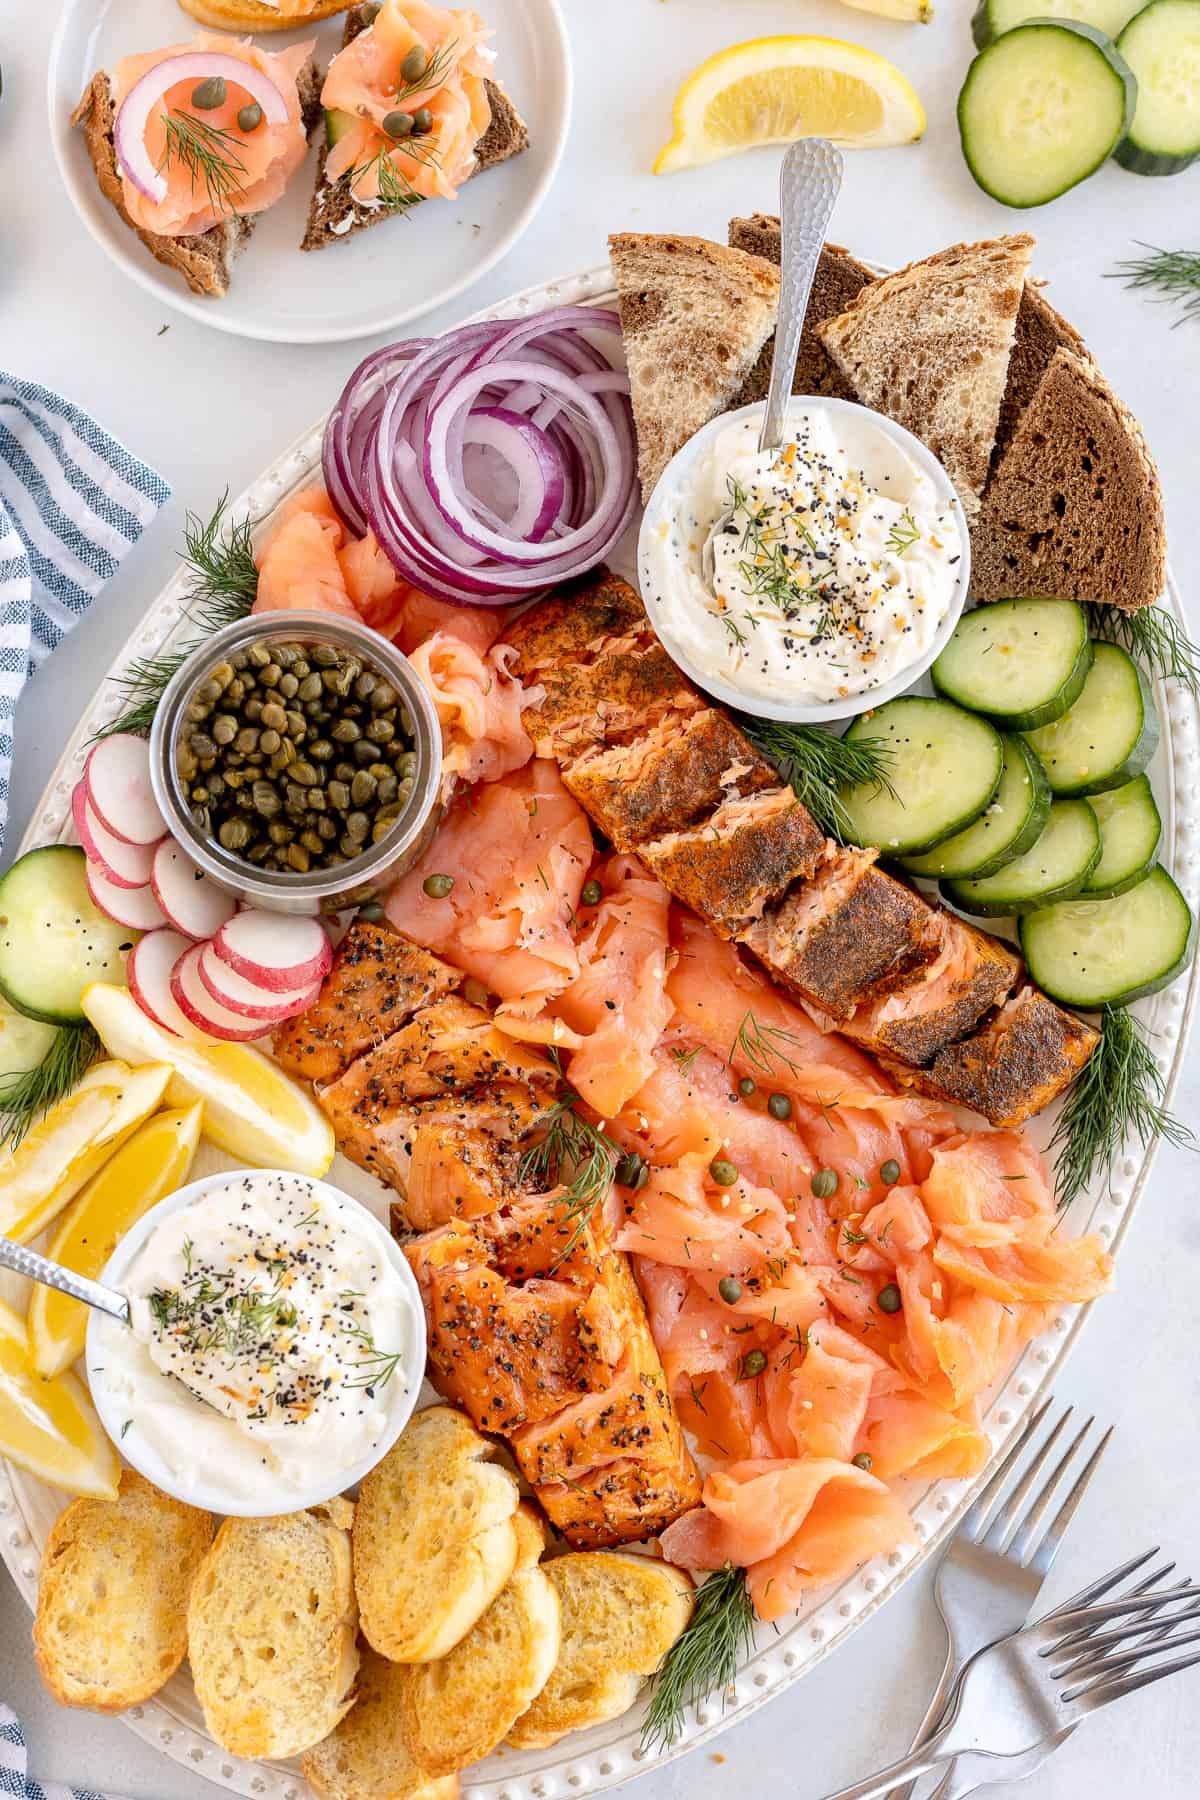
x,y
1109,1609
1094,1650
1025,1546
1101,1692
1088,1632
1001,1527
976,1515
1097,1589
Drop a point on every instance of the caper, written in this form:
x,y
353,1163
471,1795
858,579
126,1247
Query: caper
x,y
437,887
208,691
406,724
404,790
216,786
422,121
779,1106
889,1172
337,681
289,686
723,1172
406,763
348,847
258,853
326,829
379,770
207,95
863,1460
200,815
363,787
398,123
747,1086
305,774
364,687
273,716
344,771
284,756
269,742
310,687
370,11
825,1183
222,674
246,740
185,762
200,795
357,826
387,790
381,730
752,1365
325,656
339,795
202,745
233,779
297,725
253,709
632,1170
298,858
295,798
258,656
279,832
197,712
383,696
592,893
363,753
312,842
250,117
730,1289
235,693
266,800
224,728
238,659
888,1299
272,675
414,66
234,834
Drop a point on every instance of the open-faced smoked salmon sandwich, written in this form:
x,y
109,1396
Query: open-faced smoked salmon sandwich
x,y
193,142
412,110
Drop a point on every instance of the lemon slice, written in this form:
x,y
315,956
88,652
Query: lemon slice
x,y
776,89
50,1427
251,1108
77,1137
154,1162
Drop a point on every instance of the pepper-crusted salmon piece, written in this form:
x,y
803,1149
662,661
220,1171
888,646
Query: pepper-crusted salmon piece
x,y
623,691
678,771
457,1170
847,935
379,979
941,1003
739,860
380,1139
621,1502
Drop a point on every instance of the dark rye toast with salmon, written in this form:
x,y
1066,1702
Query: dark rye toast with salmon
x,y
867,954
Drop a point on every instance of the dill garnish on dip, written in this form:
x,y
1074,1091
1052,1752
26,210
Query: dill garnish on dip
x,y
833,573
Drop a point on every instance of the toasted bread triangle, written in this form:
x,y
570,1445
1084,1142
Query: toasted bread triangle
x,y
694,317
839,279
930,346
258,15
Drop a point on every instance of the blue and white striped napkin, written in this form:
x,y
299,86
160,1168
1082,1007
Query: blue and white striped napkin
x,y
72,503
14,1777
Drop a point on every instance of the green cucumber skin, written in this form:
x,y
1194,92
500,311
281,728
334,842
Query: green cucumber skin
x,y
1126,996
981,26
1139,758
1137,157
1117,888
1025,839
1111,890
1045,714
15,992
907,701
1116,64
953,892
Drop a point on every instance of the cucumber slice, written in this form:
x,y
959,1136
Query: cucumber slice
x,y
1011,824
337,124
1023,662
1094,953
1041,109
1055,869
943,768
1161,44
1129,832
1108,736
24,1043
53,939
992,17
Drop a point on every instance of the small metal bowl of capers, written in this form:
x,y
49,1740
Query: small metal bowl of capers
x,y
297,759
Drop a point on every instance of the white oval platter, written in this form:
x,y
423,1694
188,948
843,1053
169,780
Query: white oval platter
x,y
590,1762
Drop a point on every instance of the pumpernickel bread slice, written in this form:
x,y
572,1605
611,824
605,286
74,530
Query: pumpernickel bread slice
x,y
335,214
1074,509
694,318
206,260
930,347
1040,332
839,280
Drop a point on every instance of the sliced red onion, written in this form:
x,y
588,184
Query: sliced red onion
x,y
129,131
537,465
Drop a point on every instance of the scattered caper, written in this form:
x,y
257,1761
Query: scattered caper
x,y
632,1170
730,1289
779,1106
592,893
436,887
413,66
207,95
747,1086
398,124
889,1298
889,1172
825,1183
863,1460
723,1172
422,121
753,1364
372,912
250,117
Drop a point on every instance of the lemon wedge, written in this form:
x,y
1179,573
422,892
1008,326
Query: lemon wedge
x,y
154,1162
913,12
50,1427
65,1149
773,90
251,1108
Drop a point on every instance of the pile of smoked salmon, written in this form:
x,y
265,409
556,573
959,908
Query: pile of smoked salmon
x,y
829,1269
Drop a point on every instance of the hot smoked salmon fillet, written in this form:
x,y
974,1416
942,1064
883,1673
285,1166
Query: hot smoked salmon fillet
x,y
733,864
681,770
941,1002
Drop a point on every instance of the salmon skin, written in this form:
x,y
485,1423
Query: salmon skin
x,y
867,953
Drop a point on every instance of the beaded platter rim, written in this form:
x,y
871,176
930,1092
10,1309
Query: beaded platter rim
x,y
591,1762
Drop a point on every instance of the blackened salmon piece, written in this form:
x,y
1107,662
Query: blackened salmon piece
x,y
847,936
1019,1062
576,621
678,771
941,1003
379,979
740,859
618,695
623,1502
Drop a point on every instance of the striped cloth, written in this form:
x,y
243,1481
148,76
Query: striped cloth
x,y
72,503
14,1778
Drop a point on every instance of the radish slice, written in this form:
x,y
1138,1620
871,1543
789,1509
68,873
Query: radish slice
x,y
276,951
122,865
117,775
193,904
246,998
198,1005
148,972
129,132
135,907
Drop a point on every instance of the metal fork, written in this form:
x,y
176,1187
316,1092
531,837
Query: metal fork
x,y
1031,1690
993,1568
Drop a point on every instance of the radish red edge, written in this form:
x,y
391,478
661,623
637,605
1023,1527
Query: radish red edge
x,y
198,1005
191,902
246,998
135,907
117,779
245,942
124,865
148,972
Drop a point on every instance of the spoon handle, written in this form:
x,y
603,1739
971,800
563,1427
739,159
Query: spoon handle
x,y
809,183
52,1274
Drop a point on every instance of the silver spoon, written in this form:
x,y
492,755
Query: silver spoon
x,y
52,1274
809,184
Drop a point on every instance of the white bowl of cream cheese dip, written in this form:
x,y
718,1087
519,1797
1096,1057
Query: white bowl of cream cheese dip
x,y
839,577
275,1349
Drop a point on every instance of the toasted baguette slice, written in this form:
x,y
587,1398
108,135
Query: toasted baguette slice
x,y
694,317
272,1626
256,15
335,214
457,1710
205,261
930,346
839,280
366,1757
434,1537
620,1615
111,1622
1074,509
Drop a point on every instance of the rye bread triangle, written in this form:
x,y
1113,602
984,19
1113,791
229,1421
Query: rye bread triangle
x,y
335,214
839,280
1074,508
930,346
694,318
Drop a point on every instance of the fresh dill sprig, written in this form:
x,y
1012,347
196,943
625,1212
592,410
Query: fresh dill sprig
x,y
817,765
1117,1095
904,533
686,1058
38,1089
1171,275
222,588
1153,637
433,75
208,152
579,1157
762,1046
733,630
704,1658
376,1366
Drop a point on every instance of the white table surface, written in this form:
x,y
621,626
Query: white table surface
x,y
211,411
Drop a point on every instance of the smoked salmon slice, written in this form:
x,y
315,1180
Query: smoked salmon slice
x,y
478,706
